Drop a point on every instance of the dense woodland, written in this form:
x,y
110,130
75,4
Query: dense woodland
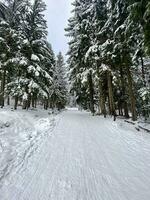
x,y
109,51
29,70
108,57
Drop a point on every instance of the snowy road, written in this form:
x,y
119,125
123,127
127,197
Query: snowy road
x,y
85,158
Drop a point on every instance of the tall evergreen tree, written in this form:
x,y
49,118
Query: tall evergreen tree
x,y
105,51
59,87
10,40
27,60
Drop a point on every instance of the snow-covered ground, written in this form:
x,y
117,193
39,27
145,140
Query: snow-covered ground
x,y
72,156
21,134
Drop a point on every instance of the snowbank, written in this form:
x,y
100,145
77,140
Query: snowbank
x,y
21,134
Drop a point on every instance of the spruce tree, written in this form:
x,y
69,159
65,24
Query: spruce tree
x,y
59,86
10,41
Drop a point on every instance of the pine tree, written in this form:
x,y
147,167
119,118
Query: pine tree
x,y
104,50
80,30
10,41
119,54
59,86
34,51
140,13
97,19
27,60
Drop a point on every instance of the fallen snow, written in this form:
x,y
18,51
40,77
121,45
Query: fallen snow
x,y
83,158
21,134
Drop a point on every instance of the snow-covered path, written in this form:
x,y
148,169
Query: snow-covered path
x,y
85,158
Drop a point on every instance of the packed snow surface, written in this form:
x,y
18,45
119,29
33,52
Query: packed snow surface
x,y
72,156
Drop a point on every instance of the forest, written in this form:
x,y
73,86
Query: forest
x,y
74,99
30,73
109,63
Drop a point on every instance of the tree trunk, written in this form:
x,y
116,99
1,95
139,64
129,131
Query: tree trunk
x,y
24,106
102,108
90,81
126,110
16,103
33,101
110,93
131,94
8,100
125,105
29,101
143,71
2,100
46,101
102,99
46,104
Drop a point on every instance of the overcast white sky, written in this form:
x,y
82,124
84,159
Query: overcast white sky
x,y
57,14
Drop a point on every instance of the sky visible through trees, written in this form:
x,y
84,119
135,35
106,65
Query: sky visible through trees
x,y
57,14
